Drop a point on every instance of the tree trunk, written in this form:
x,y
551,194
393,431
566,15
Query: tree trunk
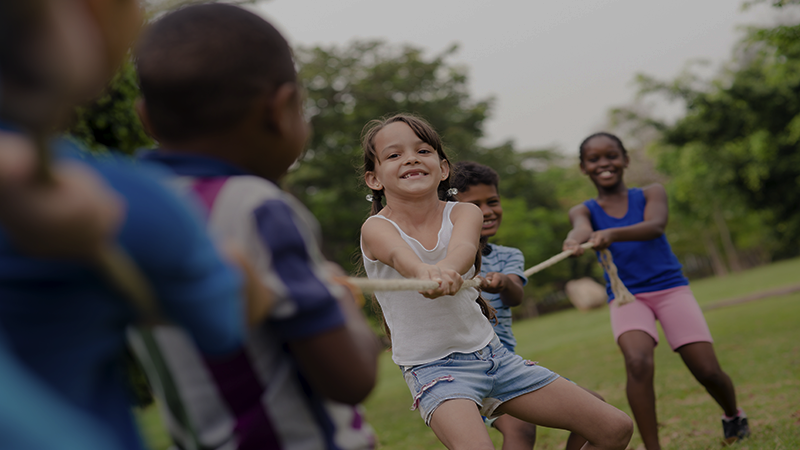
x,y
716,262
727,243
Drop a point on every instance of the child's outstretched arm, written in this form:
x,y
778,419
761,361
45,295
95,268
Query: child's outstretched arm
x,y
580,217
382,241
509,286
341,363
464,243
75,216
654,223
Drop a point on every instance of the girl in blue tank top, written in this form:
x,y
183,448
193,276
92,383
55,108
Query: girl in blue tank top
x,y
630,222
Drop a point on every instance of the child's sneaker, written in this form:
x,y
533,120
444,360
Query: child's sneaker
x,y
735,428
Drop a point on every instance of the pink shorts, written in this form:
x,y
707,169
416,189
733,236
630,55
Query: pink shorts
x,y
676,309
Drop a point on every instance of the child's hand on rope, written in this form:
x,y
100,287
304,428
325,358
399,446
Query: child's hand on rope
x,y
494,283
74,216
573,246
449,280
602,239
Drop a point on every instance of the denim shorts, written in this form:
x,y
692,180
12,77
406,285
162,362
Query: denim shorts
x,y
489,377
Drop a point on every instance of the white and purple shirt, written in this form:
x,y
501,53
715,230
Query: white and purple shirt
x,y
257,398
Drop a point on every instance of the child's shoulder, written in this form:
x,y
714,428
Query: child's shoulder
x,y
376,225
465,210
581,209
251,191
654,188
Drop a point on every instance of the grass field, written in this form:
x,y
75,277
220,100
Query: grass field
x,y
757,343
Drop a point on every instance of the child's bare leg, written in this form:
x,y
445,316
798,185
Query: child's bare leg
x,y
562,404
637,348
458,424
701,360
576,441
517,434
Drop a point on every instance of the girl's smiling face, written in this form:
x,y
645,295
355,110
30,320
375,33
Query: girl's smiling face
x,y
405,164
603,161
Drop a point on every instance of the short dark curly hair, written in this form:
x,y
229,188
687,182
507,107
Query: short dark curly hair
x,y
200,68
470,173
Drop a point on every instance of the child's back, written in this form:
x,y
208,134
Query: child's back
x,y
298,379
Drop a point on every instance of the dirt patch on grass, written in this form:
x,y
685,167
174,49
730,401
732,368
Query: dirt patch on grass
x,y
754,296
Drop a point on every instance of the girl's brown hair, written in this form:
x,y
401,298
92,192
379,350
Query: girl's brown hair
x,y
428,135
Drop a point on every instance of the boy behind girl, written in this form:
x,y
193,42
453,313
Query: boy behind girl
x,y
220,95
503,270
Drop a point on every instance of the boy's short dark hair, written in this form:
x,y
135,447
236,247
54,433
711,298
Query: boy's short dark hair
x,y
470,173
201,67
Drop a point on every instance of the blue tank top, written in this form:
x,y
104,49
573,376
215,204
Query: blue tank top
x,y
644,266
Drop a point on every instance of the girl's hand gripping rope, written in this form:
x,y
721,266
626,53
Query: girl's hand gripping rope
x,y
449,280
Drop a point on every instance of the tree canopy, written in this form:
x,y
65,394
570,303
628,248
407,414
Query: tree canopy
x,y
734,153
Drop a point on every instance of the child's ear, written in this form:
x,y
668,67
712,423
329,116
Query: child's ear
x,y
372,181
583,169
285,109
445,169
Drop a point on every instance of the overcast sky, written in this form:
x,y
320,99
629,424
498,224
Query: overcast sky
x,y
554,67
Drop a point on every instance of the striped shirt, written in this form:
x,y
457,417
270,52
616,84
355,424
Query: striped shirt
x,y
257,398
508,261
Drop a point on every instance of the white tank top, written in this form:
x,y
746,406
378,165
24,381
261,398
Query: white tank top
x,y
424,330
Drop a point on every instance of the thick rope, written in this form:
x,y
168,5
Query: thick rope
x,y
563,255
621,293
368,285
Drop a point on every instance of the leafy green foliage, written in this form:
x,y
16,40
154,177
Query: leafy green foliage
x,y
735,151
110,122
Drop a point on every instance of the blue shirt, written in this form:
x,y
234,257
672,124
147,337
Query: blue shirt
x,y
644,266
28,405
508,261
66,323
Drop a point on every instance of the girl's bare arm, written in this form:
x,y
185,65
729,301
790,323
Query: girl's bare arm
x,y
580,217
467,221
383,242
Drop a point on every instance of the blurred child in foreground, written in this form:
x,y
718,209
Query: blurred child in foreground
x,y
63,321
503,270
220,95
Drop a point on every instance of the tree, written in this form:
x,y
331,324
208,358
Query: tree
x,y
733,157
110,122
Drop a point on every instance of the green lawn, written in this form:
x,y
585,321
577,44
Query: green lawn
x,y
757,343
